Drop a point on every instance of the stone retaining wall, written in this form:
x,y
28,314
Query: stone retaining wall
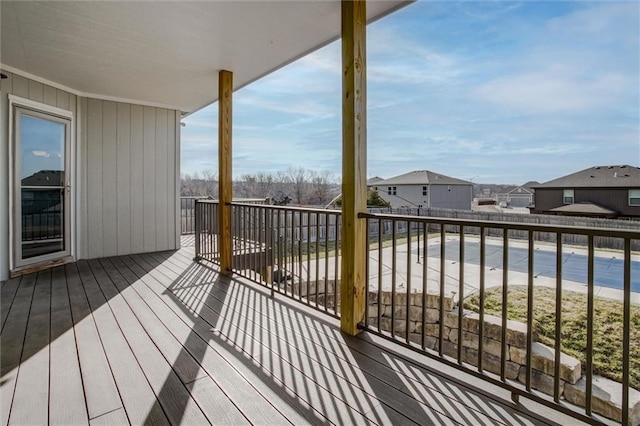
x,y
606,393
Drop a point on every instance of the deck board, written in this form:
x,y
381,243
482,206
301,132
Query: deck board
x,y
237,381
389,386
31,397
293,380
67,404
12,342
118,320
381,376
156,338
100,390
132,385
8,292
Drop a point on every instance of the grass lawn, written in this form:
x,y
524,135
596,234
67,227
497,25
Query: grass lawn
x,y
607,326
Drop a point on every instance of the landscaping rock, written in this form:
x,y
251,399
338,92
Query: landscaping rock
x,y
516,331
372,311
606,398
540,381
490,363
543,359
471,340
432,316
429,342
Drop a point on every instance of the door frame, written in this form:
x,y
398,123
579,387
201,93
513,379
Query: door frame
x,y
38,107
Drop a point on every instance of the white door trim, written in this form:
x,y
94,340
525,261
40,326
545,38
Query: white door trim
x,y
16,101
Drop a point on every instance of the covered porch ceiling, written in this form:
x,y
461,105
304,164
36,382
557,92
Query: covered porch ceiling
x,y
164,53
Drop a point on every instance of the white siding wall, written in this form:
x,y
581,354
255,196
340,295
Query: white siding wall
x,y
131,175
457,197
442,196
127,171
409,196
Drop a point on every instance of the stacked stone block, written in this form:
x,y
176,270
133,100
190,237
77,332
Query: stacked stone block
x,y
572,385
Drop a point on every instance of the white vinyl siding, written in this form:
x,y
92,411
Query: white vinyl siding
x,y
634,197
131,178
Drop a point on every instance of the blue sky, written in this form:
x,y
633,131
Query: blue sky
x,y
494,92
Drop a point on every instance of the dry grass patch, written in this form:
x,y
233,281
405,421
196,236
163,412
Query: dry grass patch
x,y
607,326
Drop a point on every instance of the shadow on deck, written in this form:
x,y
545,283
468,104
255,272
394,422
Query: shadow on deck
x,y
156,338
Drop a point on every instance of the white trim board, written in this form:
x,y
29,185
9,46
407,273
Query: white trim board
x,y
84,94
48,109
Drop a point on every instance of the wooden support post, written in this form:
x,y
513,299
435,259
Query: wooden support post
x,y
354,165
225,185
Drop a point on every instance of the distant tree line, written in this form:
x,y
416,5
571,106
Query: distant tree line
x,y
302,186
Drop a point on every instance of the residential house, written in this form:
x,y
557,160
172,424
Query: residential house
x,y
600,191
426,189
518,196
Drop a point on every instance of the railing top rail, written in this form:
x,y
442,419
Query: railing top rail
x,y
247,201
578,230
193,197
289,208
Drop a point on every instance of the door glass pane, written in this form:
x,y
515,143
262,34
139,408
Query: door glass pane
x,y
42,152
42,186
42,221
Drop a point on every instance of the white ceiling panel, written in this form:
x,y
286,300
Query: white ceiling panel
x,y
164,53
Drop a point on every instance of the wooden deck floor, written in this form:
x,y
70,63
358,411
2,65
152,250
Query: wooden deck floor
x,y
156,338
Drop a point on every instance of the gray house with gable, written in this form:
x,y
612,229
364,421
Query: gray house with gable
x,y
426,189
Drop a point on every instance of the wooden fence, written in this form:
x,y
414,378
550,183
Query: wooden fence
x,y
533,219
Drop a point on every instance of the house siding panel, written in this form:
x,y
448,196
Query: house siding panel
x,y
136,181
94,178
410,196
136,188
458,197
109,169
162,180
613,198
123,178
149,179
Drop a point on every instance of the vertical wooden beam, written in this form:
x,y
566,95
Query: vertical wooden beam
x,y
354,165
225,188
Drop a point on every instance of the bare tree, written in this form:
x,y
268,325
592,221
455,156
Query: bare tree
x,y
320,187
299,179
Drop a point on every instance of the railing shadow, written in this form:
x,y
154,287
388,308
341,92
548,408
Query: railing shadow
x,y
315,371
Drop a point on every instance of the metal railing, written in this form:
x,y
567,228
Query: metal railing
x,y
417,278
292,251
422,270
206,229
188,211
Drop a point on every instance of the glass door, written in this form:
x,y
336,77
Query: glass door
x,y
42,187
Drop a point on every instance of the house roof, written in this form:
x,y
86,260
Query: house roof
x,y
624,176
423,177
526,188
586,208
374,180
163,53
